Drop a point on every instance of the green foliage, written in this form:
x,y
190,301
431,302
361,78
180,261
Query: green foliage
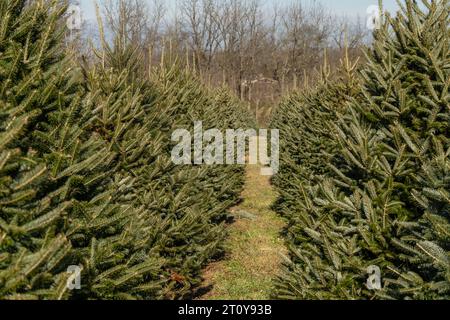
x,y
307,145
86,177
379,194
37,189
426,242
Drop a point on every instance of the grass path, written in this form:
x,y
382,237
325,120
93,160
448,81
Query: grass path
x,y
255,246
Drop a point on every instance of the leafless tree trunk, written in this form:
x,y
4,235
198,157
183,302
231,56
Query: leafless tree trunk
x,y
259,52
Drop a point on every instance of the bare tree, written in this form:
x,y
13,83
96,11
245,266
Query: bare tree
x,y
257,51
305,32
349,32
202,29
137,20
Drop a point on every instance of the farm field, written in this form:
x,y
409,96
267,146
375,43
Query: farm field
x,y
229,150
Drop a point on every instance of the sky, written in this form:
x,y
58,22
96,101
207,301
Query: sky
x,y
350,8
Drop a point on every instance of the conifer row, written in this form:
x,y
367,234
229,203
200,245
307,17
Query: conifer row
x,y
365,180
86,177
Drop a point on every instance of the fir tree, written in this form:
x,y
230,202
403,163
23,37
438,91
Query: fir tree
x,y
177,213
85,171
364,211
427,240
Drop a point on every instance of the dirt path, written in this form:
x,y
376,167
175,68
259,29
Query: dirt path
x,y
255,246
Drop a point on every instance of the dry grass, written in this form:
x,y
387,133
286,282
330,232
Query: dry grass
x,y
255,247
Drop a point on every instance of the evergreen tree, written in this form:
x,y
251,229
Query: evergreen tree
x,y
49,163
198,221
181,209
307,150
85,171
308,147
364,211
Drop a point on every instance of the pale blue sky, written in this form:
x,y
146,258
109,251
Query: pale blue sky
x,y
340,7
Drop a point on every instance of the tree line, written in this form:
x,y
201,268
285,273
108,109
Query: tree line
x,y
259,51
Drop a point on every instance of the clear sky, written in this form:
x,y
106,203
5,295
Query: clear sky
x,y
340,7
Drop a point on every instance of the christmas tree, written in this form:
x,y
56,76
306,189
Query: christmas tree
x,y
86,175
50,165
383,182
